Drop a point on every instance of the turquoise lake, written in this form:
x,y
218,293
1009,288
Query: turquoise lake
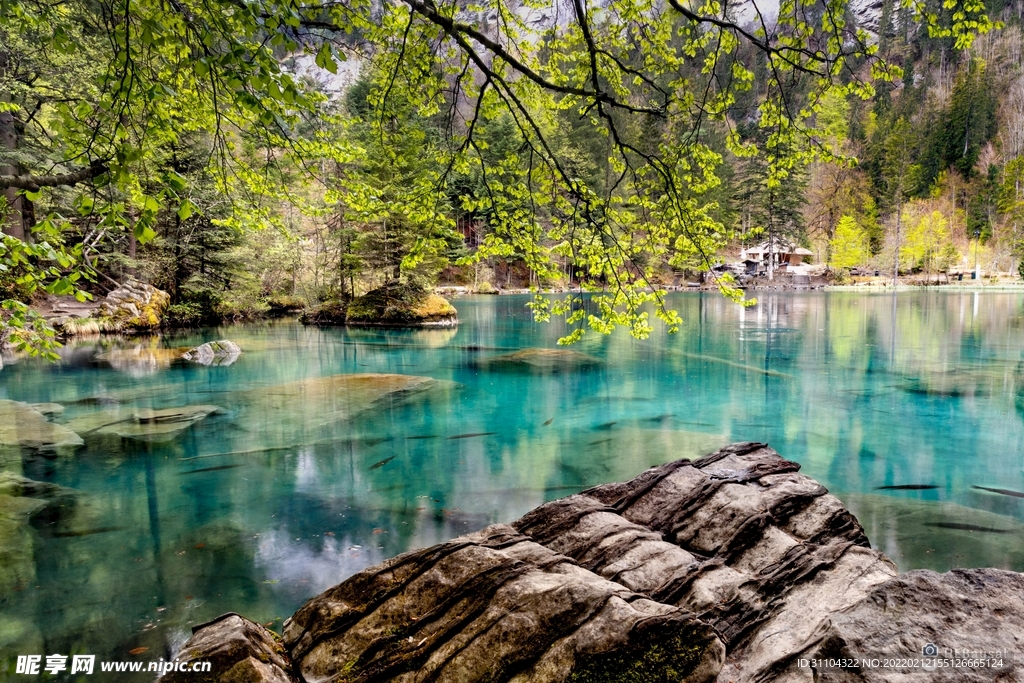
x,y
282,493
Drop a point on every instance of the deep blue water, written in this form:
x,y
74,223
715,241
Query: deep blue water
x,y
864,390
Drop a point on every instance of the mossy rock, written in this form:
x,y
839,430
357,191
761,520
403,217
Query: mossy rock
x,y
133,306
397,306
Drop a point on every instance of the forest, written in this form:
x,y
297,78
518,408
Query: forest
x,y
259,157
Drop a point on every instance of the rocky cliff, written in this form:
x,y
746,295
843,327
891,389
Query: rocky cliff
x,y
733,567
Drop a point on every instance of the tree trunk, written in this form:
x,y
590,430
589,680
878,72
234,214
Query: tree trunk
x,y
19,209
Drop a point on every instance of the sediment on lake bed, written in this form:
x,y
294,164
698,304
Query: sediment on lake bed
x,y
732,567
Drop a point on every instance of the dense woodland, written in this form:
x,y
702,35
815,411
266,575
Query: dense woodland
x,y
248,158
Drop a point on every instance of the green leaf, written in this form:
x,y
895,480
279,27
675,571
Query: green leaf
x,y
325,59
33,196
185,210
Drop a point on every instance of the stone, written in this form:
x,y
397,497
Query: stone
x,y
21,500
973,615
540,360
400,306
221,352
293,411
739,537
133,306
155,426
494,606
23,426
48,409
238,650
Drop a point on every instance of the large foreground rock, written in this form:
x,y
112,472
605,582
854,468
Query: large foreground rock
x,y
650,580
494,606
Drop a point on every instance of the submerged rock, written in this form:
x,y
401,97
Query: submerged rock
x,y
24,426
21,500
157,426
650,580
221,352
399,306
287,412
237,650
540,360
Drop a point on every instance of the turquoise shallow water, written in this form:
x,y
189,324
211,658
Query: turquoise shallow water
x,y
865,391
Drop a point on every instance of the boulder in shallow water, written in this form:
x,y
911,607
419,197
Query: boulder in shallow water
x,y
221,352
540,360
157,426
400,306
494,606
238,650
23,426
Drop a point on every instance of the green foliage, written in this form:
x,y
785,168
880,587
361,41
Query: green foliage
x,y
849,247
927,238
174,141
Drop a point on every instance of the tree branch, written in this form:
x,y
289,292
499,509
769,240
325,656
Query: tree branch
x,y
34,183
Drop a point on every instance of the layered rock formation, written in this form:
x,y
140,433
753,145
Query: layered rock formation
x,y
653,580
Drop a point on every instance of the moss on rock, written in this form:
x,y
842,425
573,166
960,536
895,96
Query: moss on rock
x,y
401,306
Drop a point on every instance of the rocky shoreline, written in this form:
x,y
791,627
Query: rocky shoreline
x,y
730,568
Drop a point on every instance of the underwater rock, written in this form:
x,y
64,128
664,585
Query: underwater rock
x,y
48,409
22,425
286,413
237,650
494,606
221,352
401,306
133,306
156,426
539,360
22,499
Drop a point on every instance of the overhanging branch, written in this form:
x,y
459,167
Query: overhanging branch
x,y
34,183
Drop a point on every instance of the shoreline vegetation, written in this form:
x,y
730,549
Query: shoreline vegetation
x,y
146,313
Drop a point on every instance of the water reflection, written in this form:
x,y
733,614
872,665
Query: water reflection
x,y
304,475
